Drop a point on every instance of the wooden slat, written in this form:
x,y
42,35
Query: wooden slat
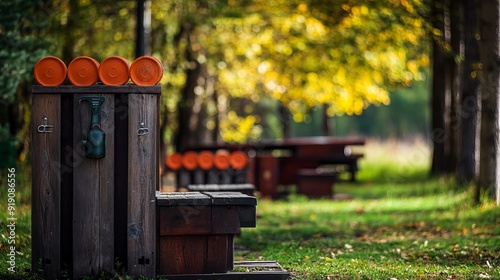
x,y
183,254
93,186
46,187
70,89
218,258
143,181
185,220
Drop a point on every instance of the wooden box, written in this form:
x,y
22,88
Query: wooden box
x,y
316,184
90,214
196,230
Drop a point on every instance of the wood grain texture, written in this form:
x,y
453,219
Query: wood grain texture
x,y
185,220
183,254
96,89
93,186
46,179
218,247
143,181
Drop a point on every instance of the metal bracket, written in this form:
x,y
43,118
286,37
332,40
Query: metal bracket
x,y
44,128
142,130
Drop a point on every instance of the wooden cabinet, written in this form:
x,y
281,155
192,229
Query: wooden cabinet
x,y
89,214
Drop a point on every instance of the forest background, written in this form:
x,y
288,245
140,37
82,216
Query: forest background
x,y
240,70
237,70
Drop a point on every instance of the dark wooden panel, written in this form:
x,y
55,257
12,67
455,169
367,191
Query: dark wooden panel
x,y
183,254
143,175
267,175
67,164
46,177
106,188
185,220
121,177
225,220
97,89
93,251
217,253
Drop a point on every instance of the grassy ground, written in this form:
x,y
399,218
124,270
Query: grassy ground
x,y
397,224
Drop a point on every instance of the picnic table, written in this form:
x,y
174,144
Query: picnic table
x,y
295,160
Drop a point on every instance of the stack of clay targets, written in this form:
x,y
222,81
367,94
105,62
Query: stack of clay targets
x,y
86,71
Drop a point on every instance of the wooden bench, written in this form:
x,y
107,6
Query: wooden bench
x,y
196,230
316,183
278,162
247,189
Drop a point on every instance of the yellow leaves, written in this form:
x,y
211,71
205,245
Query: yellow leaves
x,y
236,129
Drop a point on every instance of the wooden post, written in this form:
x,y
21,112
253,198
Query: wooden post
x,y
93,198
143,181
46,178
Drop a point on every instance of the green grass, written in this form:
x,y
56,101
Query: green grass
x,y
398,224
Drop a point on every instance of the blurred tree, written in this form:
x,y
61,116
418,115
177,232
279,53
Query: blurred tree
x,y
489,50
468,106
22,44
343,56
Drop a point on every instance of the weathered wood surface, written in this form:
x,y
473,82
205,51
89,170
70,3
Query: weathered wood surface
x,y
196,230
143,181
93,194
133,89
46,179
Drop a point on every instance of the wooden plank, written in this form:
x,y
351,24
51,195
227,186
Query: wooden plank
x,y
121,178
129,89
67,164
218,258
185,220
93,185
143,181
225,220
183,254
106,188
46,181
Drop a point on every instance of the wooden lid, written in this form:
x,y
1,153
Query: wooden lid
x,y
114,71
50,71
174,161
238,160
190,160
83,71
206,160
221,160
146,71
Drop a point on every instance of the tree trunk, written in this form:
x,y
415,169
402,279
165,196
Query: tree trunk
x,y
327,123
466,165
456,67
490,86
285,120
440,86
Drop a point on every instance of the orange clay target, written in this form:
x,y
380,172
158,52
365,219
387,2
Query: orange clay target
x,y
238,160
190,160
206,160
146,71
50,71
174,161
114,71
221,160
83,71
